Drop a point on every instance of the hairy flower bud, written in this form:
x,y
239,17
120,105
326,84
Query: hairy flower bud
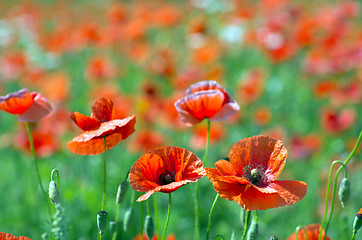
x,y
121,192
253,231
102,220
54,194
149,229
357,223
113,226
127,218
344,191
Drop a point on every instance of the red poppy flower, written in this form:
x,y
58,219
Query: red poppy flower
x,y
30,106
205,99
312,231
8,236
250,177
101,124
164,169
144,236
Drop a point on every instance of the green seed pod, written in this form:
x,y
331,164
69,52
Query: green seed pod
x,y
121,192
149,228
344,191
357,223
102,220
54,194
127,218
113,226
253,231
273,238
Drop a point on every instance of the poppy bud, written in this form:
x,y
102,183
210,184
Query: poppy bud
x,y
357,223
113,225
242,216
149,229
121,192
127,218
344,191
102,220
253,231
232,236
54,194
273,238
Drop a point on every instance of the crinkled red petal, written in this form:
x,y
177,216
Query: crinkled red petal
x,y
84,122
259,150
103,109
208,85
312,230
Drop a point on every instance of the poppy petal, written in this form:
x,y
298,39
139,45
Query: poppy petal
x,y
208,85
312,230
225,168
84,122
261,150
227,110
103,109
145,172
6,235
17,102
37,110
290,191
164,188
22,238
200,105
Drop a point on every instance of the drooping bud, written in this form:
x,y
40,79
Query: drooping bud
x,y
253,231
357,223
149,228
54,194
273,238
102,220
113,226
122,191
127,218
344,191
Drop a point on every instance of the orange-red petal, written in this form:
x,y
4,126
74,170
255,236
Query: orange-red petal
x,y
208,85
195,107
291,191
37,110
84,122
92,143
259,150
225,168
312,230
6,236
103,109
17,102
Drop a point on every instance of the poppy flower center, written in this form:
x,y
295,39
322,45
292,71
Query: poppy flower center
x,y
166,177
255,174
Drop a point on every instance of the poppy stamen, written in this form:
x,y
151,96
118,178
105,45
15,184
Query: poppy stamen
x,y
255,174
166,177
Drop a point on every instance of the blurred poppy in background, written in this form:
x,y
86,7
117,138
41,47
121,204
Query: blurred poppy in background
x,y
31,107
101,124
312,231
206,99
250,177
164,169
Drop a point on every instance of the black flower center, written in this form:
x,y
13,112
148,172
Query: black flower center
x,y
166,177
255,174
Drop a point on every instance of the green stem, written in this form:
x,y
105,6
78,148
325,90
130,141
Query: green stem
x,y
297,231
104,174
210,215
142,220
353,235
168,216
335,181
114,237
207,141
247,218
196,197
156,216
31,143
